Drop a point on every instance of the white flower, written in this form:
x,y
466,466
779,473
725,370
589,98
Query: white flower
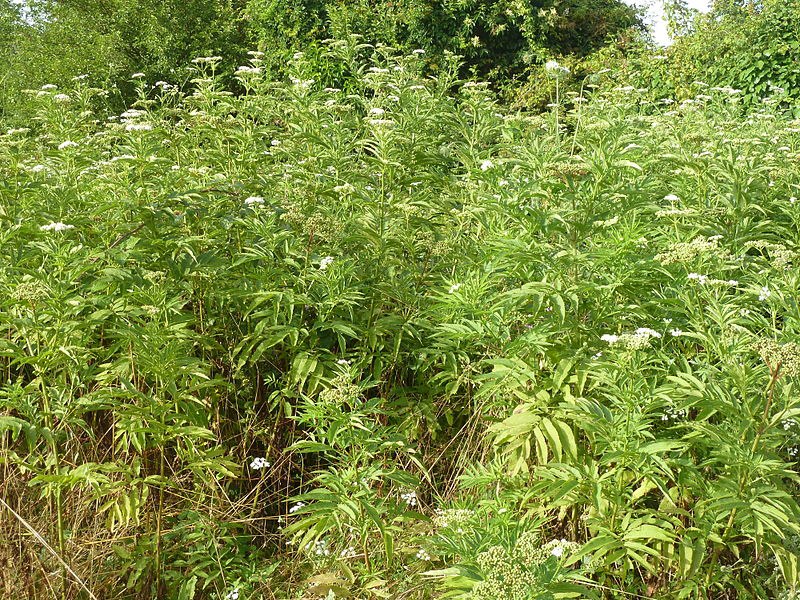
x,y
206,59
454,288
275,143
232,595
325,263
259,463
49,86
137,75
348,552
610,338
675,332
486,165
701,279
254,200
57,227
765,293
555,70
296,507
647,332
342,361
410,498
671,198
320,547
138,127
66,144
557,551
61,98
37,168
418,51
377,111
422,554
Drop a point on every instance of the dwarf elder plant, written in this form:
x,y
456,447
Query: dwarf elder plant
x,y
398,341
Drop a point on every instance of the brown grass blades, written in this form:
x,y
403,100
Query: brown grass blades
x,y
38,536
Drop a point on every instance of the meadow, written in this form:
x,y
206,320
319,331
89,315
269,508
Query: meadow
x,y
399,340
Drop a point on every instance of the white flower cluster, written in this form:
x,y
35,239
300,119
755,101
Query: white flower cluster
x,y
674,414
635,341
206,59
348,552
422,554
555,70
296,507
57,227
454,288
706,280
245,69
789,423
560,547
319,548
410,498
232,595
67,144
325,263
764,294
259,463
138,127
254,200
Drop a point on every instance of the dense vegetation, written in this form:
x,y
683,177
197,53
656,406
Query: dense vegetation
x,y
108,41
264,338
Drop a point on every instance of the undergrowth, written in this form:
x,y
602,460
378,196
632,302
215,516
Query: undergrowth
x,y
398,342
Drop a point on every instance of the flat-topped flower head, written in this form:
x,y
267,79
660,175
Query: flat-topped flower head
x,y
58,227
555,70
